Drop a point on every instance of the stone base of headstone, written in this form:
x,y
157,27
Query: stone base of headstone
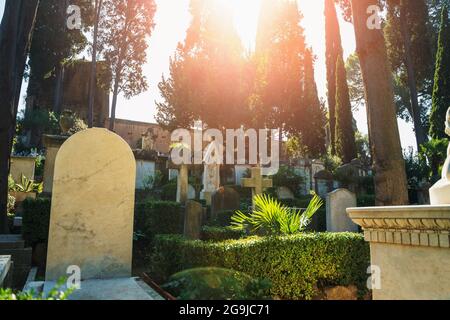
x,y
14,246
193,220
107,289
5,271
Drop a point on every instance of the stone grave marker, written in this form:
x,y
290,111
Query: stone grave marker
x,y
285,193
91,222
5,267
224,199
183,184
337,203
257,182
193,220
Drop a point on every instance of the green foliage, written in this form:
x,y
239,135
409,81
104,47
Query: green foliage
x,y
11,204
345,133
169,191
366,200
296,264
222,219
435,153
441,90
36,220
287,177
158,217
417,168
270,217
216,284
25,185
220,233
54,294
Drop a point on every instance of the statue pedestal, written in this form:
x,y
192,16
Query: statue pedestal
x,y
409,249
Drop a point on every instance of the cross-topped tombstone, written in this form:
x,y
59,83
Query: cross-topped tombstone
x,y
257,182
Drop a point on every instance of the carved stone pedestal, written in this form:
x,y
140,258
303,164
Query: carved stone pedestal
x,y
410,246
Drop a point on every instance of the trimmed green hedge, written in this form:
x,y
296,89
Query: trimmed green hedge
x,y
158,217
220,233
36,220
296,265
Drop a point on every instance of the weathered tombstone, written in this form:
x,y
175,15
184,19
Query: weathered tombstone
x,y
193,220
337,203
324,182
22,165
256,182
285,193
52,144
91,222
191,192
224,199
5,270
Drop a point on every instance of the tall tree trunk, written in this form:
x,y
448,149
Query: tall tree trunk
x,y
112,119
421,137
389,165
93,76
15,30
59,72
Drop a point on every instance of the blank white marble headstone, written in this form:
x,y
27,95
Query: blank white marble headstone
x,y
91,223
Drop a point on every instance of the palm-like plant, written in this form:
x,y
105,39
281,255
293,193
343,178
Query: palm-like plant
x,y
271,217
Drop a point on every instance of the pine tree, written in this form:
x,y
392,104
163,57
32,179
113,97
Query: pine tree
x,y
345,134
333,51
279,56
207,73
441,90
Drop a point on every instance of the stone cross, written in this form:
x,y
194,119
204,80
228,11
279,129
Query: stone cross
x,y
183,184
256,182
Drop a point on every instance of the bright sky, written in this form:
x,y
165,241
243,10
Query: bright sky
x,y
172,19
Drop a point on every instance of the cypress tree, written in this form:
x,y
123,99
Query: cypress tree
x,y
441,90
345,135
333,50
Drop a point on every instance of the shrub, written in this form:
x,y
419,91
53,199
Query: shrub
x,y
367,200
216,284
222,219
56,293
220,233
288,177
296,264
36,220
169,191
158,217
272,218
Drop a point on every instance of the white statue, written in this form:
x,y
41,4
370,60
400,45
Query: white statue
x,y
440,192
211,173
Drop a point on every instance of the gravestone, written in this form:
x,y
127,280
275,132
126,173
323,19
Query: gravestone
x,y
22,165
324,182
285,193
193,220
338,202
5,270
52,144
224,199
91,222
257,182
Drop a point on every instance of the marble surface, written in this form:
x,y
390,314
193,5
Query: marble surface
x,y
91,222
5,265
110,289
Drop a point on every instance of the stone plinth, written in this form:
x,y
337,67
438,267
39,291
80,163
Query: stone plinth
x,y
22,165
52,144
5,266
91,221
411,247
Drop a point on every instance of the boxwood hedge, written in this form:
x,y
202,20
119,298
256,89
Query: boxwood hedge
x,y
296,265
